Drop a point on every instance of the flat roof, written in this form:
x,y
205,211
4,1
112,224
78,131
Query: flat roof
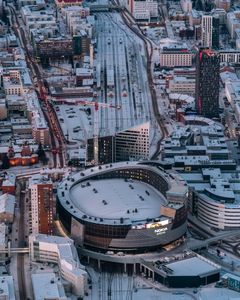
x,y
7,287
47,286
193,266
71,188
116,198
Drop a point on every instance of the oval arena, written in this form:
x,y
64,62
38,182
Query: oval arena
x,y
132,207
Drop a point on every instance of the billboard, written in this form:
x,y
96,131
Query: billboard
x,y
157,224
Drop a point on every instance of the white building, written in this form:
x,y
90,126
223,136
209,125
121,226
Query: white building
x,y
38,3
230,56
3,240
186,5
223,4
7,288
47,286
133,143
7,205
232,90
60,250
206,30
233,22
33,17
182,85
143,10
40,129
216,196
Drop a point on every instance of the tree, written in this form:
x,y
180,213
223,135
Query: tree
x,y
5,162
199,5
41,153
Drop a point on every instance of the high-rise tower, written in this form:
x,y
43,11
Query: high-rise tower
x,y
207,83
206,29
210,31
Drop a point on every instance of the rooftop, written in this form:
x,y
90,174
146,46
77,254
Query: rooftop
x,y
7,203
7,288
47,286
111,196
116,198
193,266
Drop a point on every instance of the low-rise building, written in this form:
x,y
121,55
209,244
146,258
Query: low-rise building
x,y
47,286
60,250
208,142
7,288
232,90
223,4
186,5
40,129
9,184
143,10
7,205
35,17
233,22
176,56
230,56
182,84
64,3
3,109
3,240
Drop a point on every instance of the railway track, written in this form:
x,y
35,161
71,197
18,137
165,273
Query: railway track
x,y
156,112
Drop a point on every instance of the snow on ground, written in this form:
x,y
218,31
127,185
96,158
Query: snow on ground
x,y
217,294
122,286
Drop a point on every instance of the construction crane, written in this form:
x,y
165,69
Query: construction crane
x,y
96,105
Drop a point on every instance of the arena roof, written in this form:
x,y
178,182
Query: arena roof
x,y
107,200
116,198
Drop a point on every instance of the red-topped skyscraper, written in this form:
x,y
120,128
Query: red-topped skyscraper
x,y
207,83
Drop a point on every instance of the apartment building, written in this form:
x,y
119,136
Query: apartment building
x,y
41,197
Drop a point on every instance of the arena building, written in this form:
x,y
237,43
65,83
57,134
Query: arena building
x,y
132,207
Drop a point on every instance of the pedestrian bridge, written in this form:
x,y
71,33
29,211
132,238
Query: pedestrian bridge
x,y
195,245
11,251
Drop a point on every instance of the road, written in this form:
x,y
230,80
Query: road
x,y
49,113
21,243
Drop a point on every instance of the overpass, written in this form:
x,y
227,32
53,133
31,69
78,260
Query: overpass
x,y
95,8
11,251
195,245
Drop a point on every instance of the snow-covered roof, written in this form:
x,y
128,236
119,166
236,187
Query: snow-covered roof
x,y
193,266
117,198
108,200
7,203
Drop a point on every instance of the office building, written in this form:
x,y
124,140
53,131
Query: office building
x,y
210,31
206,29
176,55
207,83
